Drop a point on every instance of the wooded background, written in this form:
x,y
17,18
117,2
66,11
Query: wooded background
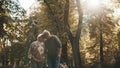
x,y
90,35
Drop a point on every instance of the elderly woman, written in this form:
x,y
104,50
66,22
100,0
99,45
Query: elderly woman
x,y
37,52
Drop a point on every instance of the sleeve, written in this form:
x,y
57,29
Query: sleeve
x,y
58,42
29,52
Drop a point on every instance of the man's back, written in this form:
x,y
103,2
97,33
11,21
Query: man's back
x,y
52,46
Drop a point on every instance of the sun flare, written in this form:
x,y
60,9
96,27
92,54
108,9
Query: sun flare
x,y
93,4
26,3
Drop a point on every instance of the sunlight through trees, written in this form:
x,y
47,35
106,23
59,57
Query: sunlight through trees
x,y
89,31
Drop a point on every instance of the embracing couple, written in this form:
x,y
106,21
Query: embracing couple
x,y
48,47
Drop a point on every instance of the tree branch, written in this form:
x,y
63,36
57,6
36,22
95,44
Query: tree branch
x,y
78,33
66,15
53,15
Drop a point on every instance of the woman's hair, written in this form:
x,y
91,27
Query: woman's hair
x,y
40,35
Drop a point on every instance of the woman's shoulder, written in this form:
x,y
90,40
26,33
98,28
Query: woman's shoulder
x,y
34,42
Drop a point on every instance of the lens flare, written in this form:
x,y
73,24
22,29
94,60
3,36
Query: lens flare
x,y
93,4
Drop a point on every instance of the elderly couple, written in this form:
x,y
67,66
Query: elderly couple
x,y
45,45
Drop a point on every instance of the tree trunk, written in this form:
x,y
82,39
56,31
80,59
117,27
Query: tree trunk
x,y
55,19
101,48
64,53
73,40
76,53
118,35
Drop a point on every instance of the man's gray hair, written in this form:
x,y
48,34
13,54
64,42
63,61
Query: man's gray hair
x,y
46,32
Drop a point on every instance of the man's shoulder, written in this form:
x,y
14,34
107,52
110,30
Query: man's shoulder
x,y
54,36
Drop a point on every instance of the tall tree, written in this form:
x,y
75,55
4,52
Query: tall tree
x,y
101,27
10,10
74,40
55,10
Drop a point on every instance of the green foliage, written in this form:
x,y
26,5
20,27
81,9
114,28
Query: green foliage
x,y
17,51
107,23
21,32
9,10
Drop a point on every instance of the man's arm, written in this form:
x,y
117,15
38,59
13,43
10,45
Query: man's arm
x,y
59,52
59,46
